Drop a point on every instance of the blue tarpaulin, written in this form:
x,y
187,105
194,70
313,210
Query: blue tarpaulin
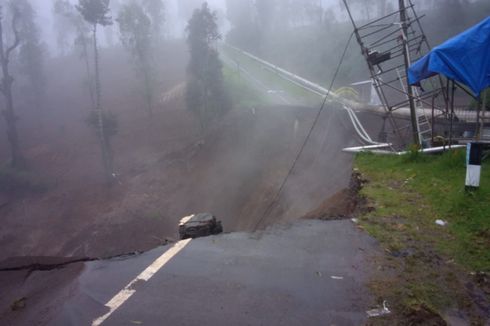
x,y
464,58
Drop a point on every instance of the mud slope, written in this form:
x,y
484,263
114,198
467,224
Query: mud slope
x,y
166,169
169,171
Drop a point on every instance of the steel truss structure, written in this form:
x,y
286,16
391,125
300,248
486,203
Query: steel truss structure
x,y
389,45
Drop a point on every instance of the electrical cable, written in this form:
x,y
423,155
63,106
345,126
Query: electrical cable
x,y
361,132
307,139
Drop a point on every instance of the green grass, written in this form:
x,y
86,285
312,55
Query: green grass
x,y
425,188
272,79
241,93
407,195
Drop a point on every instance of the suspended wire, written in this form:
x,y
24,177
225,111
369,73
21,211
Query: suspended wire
x,y
307,139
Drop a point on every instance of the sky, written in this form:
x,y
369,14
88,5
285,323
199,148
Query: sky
x,y
175,26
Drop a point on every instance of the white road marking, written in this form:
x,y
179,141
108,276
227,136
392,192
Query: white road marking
x,y
119,299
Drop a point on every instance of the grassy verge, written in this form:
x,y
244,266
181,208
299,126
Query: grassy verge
x,y
427,266
241,93
272,79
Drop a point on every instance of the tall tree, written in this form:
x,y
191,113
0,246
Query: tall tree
x,y
96,12
62,10
31,54
155,9
17,159
69,19
206,95
135,27
82,47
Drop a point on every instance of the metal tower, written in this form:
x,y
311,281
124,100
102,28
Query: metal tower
x,y
389,45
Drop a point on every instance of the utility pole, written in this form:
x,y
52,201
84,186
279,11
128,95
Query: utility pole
x,y
406,56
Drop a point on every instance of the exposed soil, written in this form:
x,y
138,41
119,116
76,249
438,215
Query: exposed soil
x,y
346,203
166,168
405,273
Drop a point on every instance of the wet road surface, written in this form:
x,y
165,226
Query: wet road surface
x,y
310,273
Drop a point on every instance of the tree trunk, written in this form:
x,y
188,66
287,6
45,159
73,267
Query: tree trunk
x,y
85,57
148,92
104,142
145,70
11,121
9,112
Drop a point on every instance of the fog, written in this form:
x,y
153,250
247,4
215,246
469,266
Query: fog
x,y
120,119
104,148
176,17
175,21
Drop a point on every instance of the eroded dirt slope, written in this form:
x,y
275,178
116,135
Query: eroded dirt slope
x,y
166,168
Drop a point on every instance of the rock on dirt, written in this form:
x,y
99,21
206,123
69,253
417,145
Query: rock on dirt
x,y
199,225
344,204
423,315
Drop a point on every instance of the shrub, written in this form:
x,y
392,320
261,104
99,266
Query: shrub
x,y
413,154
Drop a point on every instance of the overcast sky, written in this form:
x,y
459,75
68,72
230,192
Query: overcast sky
x,y
174,24
44,7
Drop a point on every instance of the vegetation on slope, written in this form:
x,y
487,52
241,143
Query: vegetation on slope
x,y
436,267
271,79
241,93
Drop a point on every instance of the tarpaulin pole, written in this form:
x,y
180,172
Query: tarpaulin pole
x,y
483,108
478,122
432,121
453,91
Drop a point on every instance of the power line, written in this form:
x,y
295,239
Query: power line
x,y
307,139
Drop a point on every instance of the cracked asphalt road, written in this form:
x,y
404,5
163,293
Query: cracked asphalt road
x,y
309,272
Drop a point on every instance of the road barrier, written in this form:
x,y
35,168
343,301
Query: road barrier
x,y
298,80
347,105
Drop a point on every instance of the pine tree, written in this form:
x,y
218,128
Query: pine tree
x,y
62,10
17,159
96,12
206,95
31,54
135,27
155,9
69,21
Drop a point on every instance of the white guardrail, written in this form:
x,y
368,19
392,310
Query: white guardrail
x,y
298,80
348,105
